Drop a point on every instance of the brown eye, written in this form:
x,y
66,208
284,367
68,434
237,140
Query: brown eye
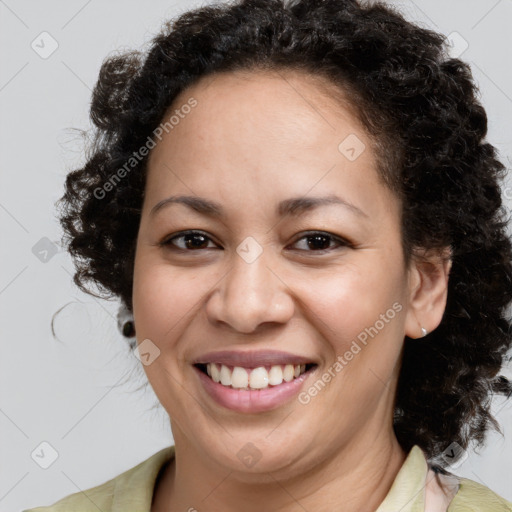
x,y
318,241
191,240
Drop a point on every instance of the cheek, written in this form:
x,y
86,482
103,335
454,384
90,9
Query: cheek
x,y
162,299
347,303
162,302
361,323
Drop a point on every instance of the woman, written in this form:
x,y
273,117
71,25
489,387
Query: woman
x,y
297,205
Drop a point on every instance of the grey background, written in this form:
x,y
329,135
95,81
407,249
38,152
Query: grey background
x,y
80,395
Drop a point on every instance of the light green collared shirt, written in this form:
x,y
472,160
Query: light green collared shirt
x,y
132,491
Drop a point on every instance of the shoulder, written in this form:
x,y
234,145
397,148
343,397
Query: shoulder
x,y
99,497
475,497
133,485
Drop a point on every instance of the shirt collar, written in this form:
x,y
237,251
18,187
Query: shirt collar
x,y
407,493
134,489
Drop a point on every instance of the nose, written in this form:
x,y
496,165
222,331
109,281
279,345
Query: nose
x,y
251,294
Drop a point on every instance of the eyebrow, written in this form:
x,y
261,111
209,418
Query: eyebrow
x,y
287,207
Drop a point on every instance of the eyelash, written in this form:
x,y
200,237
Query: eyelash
x,y
167,242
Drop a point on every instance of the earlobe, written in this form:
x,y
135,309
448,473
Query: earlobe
x,y
428,291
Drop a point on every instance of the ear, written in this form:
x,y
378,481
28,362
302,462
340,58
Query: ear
x,y
428,289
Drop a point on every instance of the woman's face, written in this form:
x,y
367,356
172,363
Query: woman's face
x,y
254,281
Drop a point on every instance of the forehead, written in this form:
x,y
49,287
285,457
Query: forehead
x,y
253,140
257,119
274,98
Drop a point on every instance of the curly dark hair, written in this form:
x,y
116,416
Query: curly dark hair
x,y
421,111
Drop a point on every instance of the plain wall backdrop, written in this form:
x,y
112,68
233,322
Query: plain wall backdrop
x,y
80,395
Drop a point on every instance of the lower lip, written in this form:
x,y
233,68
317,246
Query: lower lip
x,y
251,401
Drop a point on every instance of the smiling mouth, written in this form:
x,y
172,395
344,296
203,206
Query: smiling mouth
x,y
261,377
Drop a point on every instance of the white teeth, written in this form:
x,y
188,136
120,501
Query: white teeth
x,y
214,371
239,378
275,375
257,378
288,372
225,376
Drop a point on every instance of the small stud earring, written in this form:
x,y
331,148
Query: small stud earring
x,y
424,331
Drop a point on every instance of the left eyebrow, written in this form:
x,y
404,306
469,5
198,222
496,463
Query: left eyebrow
x,y
287,207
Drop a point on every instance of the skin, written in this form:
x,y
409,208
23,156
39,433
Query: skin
x,y
253,140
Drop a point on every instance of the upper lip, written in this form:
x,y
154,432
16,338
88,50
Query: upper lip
x,y
252,359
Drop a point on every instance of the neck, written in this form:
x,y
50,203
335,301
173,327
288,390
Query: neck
x,y
358,476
